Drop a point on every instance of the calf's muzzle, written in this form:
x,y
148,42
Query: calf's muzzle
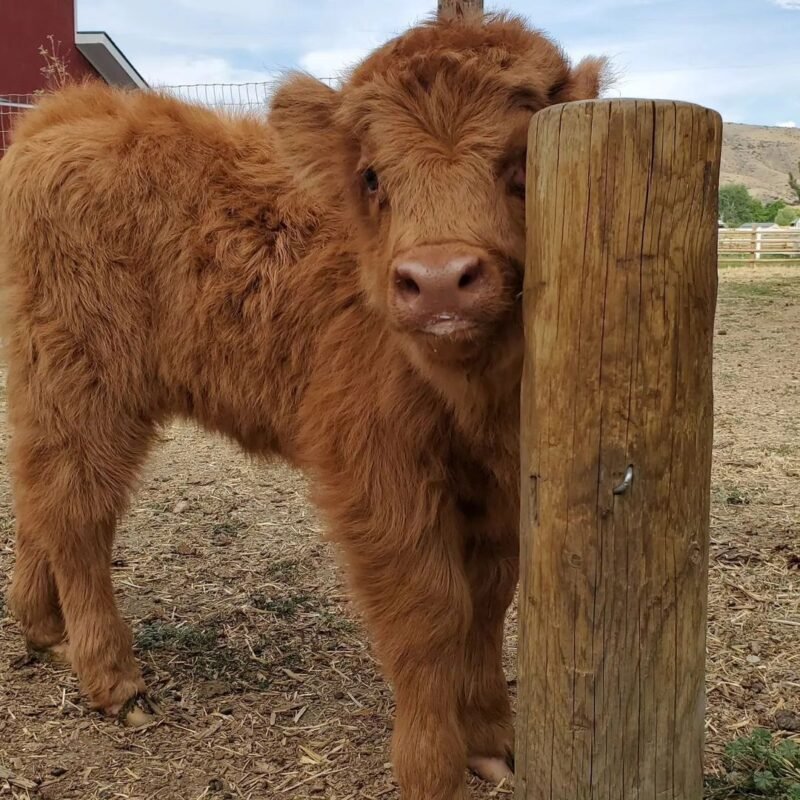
x,y
442,289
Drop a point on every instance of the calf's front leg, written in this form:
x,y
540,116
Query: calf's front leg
x,y
416,599
492,570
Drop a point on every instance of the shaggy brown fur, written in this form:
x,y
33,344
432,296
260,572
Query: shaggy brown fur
x,y
161,260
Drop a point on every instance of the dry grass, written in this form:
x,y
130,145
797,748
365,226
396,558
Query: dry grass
x,y
264,673
55,70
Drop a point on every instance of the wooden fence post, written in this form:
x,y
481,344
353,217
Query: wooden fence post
x,y
620,296
457,8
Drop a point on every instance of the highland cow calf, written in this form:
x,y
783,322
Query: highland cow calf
x,y
338,284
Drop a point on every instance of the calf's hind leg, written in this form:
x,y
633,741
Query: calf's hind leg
x,y
33,597
70,488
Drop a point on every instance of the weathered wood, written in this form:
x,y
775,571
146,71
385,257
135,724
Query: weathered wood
x,y
620,296
458,8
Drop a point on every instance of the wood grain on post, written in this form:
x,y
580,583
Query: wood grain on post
x,y
620,295
447,9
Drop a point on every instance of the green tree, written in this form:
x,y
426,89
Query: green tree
x,y
787,216
794,183
737,206
769,211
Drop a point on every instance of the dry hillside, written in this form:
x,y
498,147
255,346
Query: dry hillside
x,y
760,158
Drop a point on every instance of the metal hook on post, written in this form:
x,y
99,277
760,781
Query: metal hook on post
x,y
627,481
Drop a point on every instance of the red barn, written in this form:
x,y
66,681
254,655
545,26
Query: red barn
x,y
30,26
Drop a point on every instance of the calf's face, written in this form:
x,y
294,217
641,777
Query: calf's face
x,y
423,152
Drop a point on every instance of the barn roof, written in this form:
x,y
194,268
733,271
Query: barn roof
x,y
104,55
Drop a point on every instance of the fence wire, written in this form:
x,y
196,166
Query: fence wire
x,y
735,246
244,98
231,97
11,105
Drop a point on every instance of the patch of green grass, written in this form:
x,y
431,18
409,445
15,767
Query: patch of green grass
x,y
734,496
760,290
284,570
229,528
202,651
758,766
279,649
734,261
281,606
752,289
186,638
335,622
291,660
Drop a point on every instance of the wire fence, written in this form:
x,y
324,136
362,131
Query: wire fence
x,y
736,247
11,105
238,97
235,97
244,98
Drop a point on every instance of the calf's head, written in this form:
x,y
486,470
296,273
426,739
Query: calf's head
x,y
422,151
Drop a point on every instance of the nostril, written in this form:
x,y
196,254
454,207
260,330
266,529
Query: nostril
x,y
469,276
408,286
465,280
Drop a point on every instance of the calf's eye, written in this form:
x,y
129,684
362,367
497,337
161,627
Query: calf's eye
x,y
371,180
517,180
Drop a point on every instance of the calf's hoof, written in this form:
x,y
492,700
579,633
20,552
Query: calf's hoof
x,y
492,769
57,653
44,634
492,751
119,693
137,712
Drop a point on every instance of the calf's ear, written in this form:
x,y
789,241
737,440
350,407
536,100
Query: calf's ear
x,y
306,138
586,81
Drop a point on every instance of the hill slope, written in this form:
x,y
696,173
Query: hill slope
x,y
760,158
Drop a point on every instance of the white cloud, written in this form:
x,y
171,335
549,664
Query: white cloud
x,y
700,56
588,9
270,28
332,63
707,87
790,124
177,70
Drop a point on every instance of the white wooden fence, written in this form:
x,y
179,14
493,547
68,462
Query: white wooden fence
x,y
759,246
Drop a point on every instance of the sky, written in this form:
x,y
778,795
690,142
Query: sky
x,y
740,57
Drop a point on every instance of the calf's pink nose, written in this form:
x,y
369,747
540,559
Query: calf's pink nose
x,y
438,282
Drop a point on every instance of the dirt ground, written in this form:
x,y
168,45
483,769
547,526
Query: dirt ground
x,y
264,674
